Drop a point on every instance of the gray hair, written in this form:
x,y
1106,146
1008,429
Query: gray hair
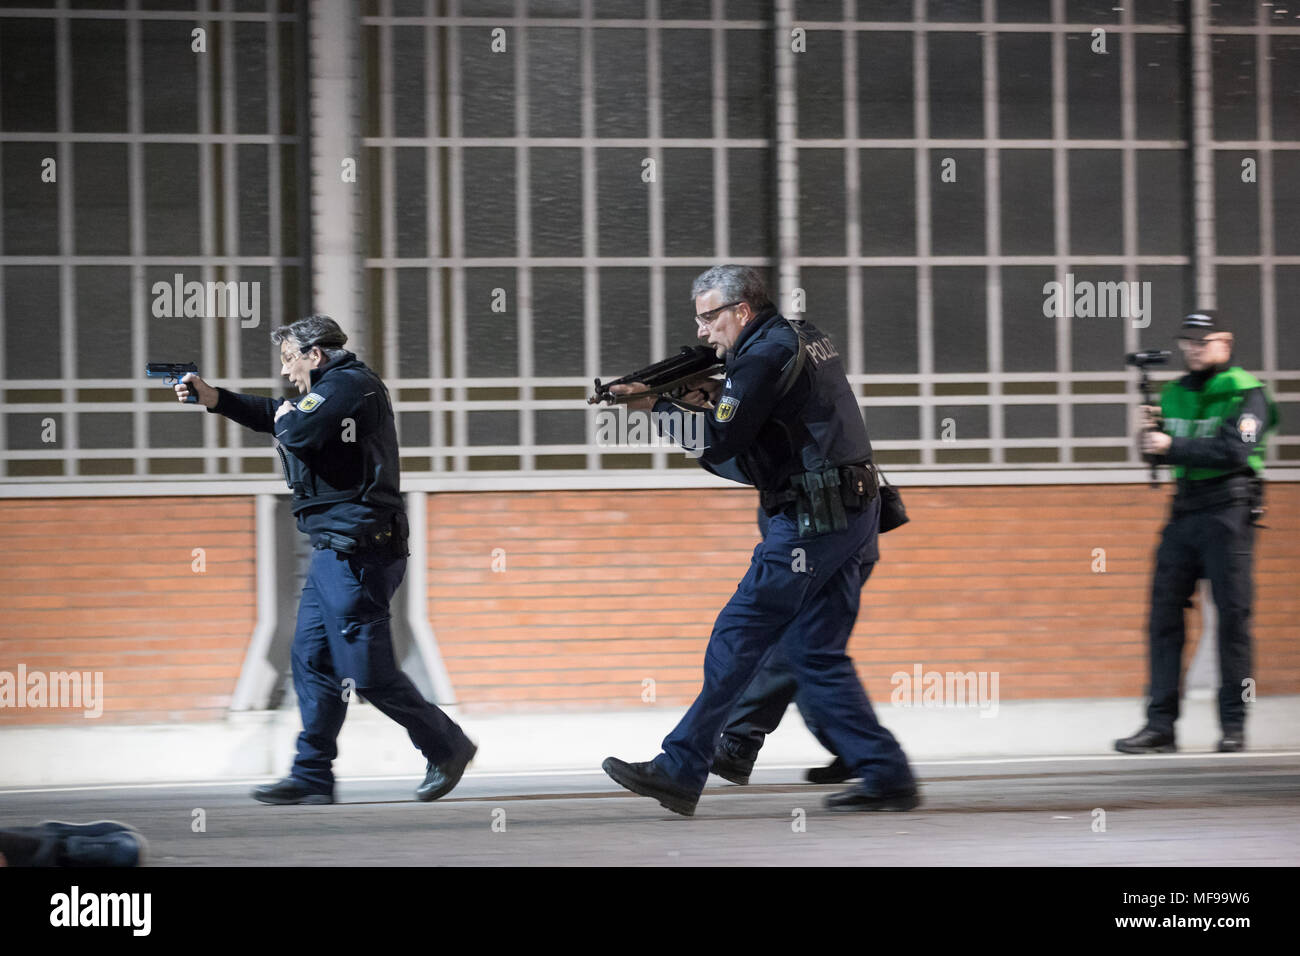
x,y
734,283
317,330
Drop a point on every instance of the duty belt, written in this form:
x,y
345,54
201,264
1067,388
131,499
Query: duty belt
x,y
391,539
821,500
1216,492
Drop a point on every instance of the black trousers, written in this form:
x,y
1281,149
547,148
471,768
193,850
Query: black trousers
x,y
1217,543
764,703
767,698
344,634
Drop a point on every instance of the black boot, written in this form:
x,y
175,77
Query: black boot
x,y
649,781
290,791
856,799
1233,742
440,779
837,772
731,762
1147,741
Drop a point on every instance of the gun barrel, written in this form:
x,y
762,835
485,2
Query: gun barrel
x,y
169,369
664,376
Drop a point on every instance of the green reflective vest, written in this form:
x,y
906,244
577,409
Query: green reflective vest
x,y
1190,414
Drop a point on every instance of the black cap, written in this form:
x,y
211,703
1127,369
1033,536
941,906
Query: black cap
x,y
1199,324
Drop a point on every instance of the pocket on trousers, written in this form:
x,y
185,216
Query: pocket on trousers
x,y
342,594
779,583
356,630
378,578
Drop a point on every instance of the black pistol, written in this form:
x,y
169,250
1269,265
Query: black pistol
x,y
669,378
173,372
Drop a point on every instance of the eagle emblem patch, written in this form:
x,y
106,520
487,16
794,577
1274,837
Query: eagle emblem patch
x,y
1248,427
310,402
726,409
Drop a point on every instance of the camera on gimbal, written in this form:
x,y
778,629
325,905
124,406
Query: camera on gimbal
x,y
1143,361
1148,358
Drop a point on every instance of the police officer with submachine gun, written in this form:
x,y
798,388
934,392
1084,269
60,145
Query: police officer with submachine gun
x,y
786,421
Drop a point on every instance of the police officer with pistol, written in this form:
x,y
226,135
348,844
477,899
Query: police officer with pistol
x,y
338,447
787,422
1212,429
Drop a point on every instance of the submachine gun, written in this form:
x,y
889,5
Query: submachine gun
x,y
672,378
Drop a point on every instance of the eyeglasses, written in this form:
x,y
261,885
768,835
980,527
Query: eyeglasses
x,y
294,354
703,319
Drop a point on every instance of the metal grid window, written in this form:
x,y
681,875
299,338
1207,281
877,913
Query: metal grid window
x,y
912,172
1068,160
134,149
951,167
587,160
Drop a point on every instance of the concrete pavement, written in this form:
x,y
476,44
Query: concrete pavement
x,y
1222,810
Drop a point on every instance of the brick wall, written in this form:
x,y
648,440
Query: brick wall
x,y
599,591
109,585
603,590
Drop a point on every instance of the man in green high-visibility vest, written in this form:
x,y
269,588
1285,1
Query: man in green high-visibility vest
x,y
1212,427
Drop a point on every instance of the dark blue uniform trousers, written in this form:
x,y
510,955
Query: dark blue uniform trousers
x,y
810,612
343,633
763,704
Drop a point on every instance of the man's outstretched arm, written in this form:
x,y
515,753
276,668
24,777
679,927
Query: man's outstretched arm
x,y
251,411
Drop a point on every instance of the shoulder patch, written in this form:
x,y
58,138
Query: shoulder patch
x,y
310,402
726,408
1248,428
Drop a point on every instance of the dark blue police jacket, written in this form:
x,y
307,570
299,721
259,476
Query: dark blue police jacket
x,y
760,437
338,447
